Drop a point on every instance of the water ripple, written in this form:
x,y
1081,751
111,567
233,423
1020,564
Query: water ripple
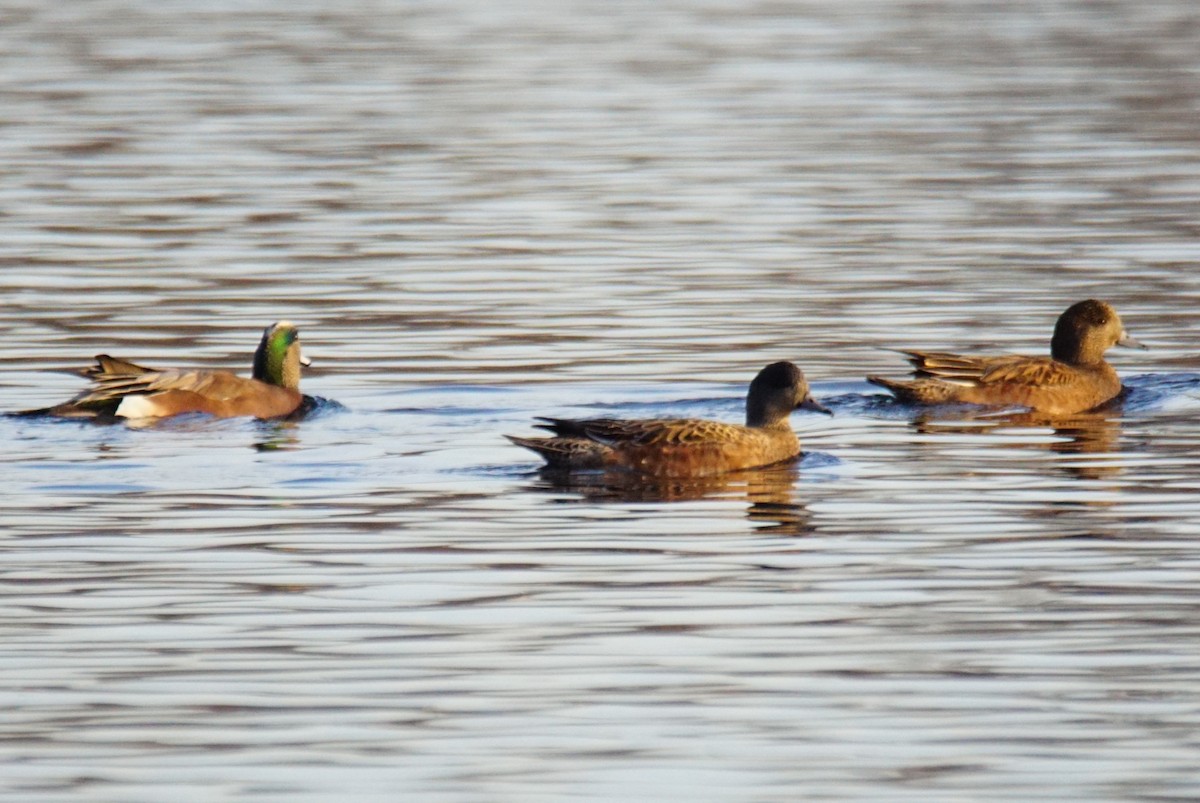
x,y
478,213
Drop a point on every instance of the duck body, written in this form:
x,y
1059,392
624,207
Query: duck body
x,y
1039,383
668,446
684,447
1073,379
124,389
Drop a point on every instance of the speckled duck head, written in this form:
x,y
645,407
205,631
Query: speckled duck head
x,y
775,392
1087,330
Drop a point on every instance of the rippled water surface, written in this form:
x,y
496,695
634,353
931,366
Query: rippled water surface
x,y
481,212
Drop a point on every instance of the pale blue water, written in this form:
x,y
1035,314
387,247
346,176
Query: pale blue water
x,y
478,214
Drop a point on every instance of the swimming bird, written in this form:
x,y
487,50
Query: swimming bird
x,y
1073,379
127,390
685,446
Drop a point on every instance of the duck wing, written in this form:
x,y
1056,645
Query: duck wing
x,y
114,378
1043,372
662,432
949,367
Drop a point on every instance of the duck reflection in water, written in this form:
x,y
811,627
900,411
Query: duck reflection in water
x,y
769,492
277,436
1084,439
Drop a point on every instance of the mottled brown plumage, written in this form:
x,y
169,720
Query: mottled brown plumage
x,y
124,389
1075,378
685,446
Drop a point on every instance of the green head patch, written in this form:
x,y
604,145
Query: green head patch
x,y
271,358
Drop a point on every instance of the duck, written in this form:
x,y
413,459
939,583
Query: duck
x,y
125,389
685,447
1075,377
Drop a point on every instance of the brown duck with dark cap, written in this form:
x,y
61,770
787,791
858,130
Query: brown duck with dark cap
x,y
123,389
1073,379
686,446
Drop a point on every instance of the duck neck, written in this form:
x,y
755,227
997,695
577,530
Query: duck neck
x,y
762,416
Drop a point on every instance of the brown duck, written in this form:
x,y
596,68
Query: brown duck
x,y
124,389
685,446
1073,379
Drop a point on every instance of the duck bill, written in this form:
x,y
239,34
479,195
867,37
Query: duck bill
x,y
812,404
305,361
1129,343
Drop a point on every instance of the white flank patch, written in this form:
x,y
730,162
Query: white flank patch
x,y
136,407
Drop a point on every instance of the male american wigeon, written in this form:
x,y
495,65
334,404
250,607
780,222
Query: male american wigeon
x,y
121,388
1073,379
686,446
